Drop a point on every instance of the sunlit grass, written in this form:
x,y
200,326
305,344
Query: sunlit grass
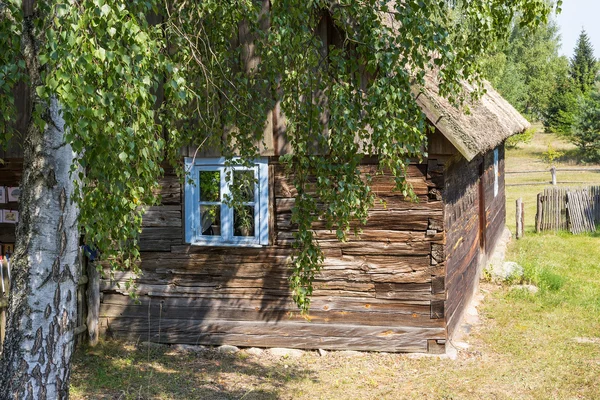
x,y
528,157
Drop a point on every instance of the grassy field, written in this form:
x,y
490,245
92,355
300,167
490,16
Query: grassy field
x,y
530,157
527,346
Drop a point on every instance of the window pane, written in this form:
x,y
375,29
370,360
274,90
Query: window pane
x,y
211,220
243,185
243,221
210,186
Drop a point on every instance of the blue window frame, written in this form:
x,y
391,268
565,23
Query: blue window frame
x,y
209,220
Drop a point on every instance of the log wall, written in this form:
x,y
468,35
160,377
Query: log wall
x,y
383,290
495,205
469,187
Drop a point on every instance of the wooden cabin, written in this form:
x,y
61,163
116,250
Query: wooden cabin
x,y
400,286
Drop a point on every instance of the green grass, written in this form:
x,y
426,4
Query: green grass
x,y
528,346
529,157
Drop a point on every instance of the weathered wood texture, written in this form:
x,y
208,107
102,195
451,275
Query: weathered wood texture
x,y
495,205
92,302
575,209
380,290
462,235
466,244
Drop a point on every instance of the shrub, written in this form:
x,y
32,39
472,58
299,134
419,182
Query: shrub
x,y
550,155
525,137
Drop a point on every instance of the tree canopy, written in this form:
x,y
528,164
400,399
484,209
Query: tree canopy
x,y
528,69
185,78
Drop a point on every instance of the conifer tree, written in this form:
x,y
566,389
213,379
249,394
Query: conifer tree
x,y
584,66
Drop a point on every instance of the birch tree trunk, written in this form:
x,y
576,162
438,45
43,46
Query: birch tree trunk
x,y
42,310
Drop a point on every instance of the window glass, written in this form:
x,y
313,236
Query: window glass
x,y
210,186
243,221
211,220
244,183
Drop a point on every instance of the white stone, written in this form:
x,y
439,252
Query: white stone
x,y
255,351
322,353
188,348
530,288
283,352
461,345
451,352
505,272
227,349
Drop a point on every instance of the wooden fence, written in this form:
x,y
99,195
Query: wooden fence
x,y
88,287
577,210
553,175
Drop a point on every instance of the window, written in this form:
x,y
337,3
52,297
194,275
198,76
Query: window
x,y
209,220
495,172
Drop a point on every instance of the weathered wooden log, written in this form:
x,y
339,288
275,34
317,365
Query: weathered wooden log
x,y
79,330
317,316
93,303
162,216
519,214
294,335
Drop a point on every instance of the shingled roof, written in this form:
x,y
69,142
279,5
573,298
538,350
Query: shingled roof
x,y
488,122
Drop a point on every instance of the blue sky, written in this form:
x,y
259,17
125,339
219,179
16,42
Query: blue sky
x,y
575,15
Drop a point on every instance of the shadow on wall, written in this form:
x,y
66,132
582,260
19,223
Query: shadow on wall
x,y
202,295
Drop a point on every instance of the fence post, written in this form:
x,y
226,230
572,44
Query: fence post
x,y
553,172
519,215
538,215
93,302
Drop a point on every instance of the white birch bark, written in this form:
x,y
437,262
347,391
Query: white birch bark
x,y
42,307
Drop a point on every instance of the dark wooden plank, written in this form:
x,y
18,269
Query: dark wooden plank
x,y
437,309
270,303
409,342
284,328
161,233
371,235
401,220
438,284
276,314
170,190
162,216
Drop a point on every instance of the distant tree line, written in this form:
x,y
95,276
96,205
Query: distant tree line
x,y
562,93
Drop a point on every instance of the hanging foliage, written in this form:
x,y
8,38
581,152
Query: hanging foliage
x,y
134,92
